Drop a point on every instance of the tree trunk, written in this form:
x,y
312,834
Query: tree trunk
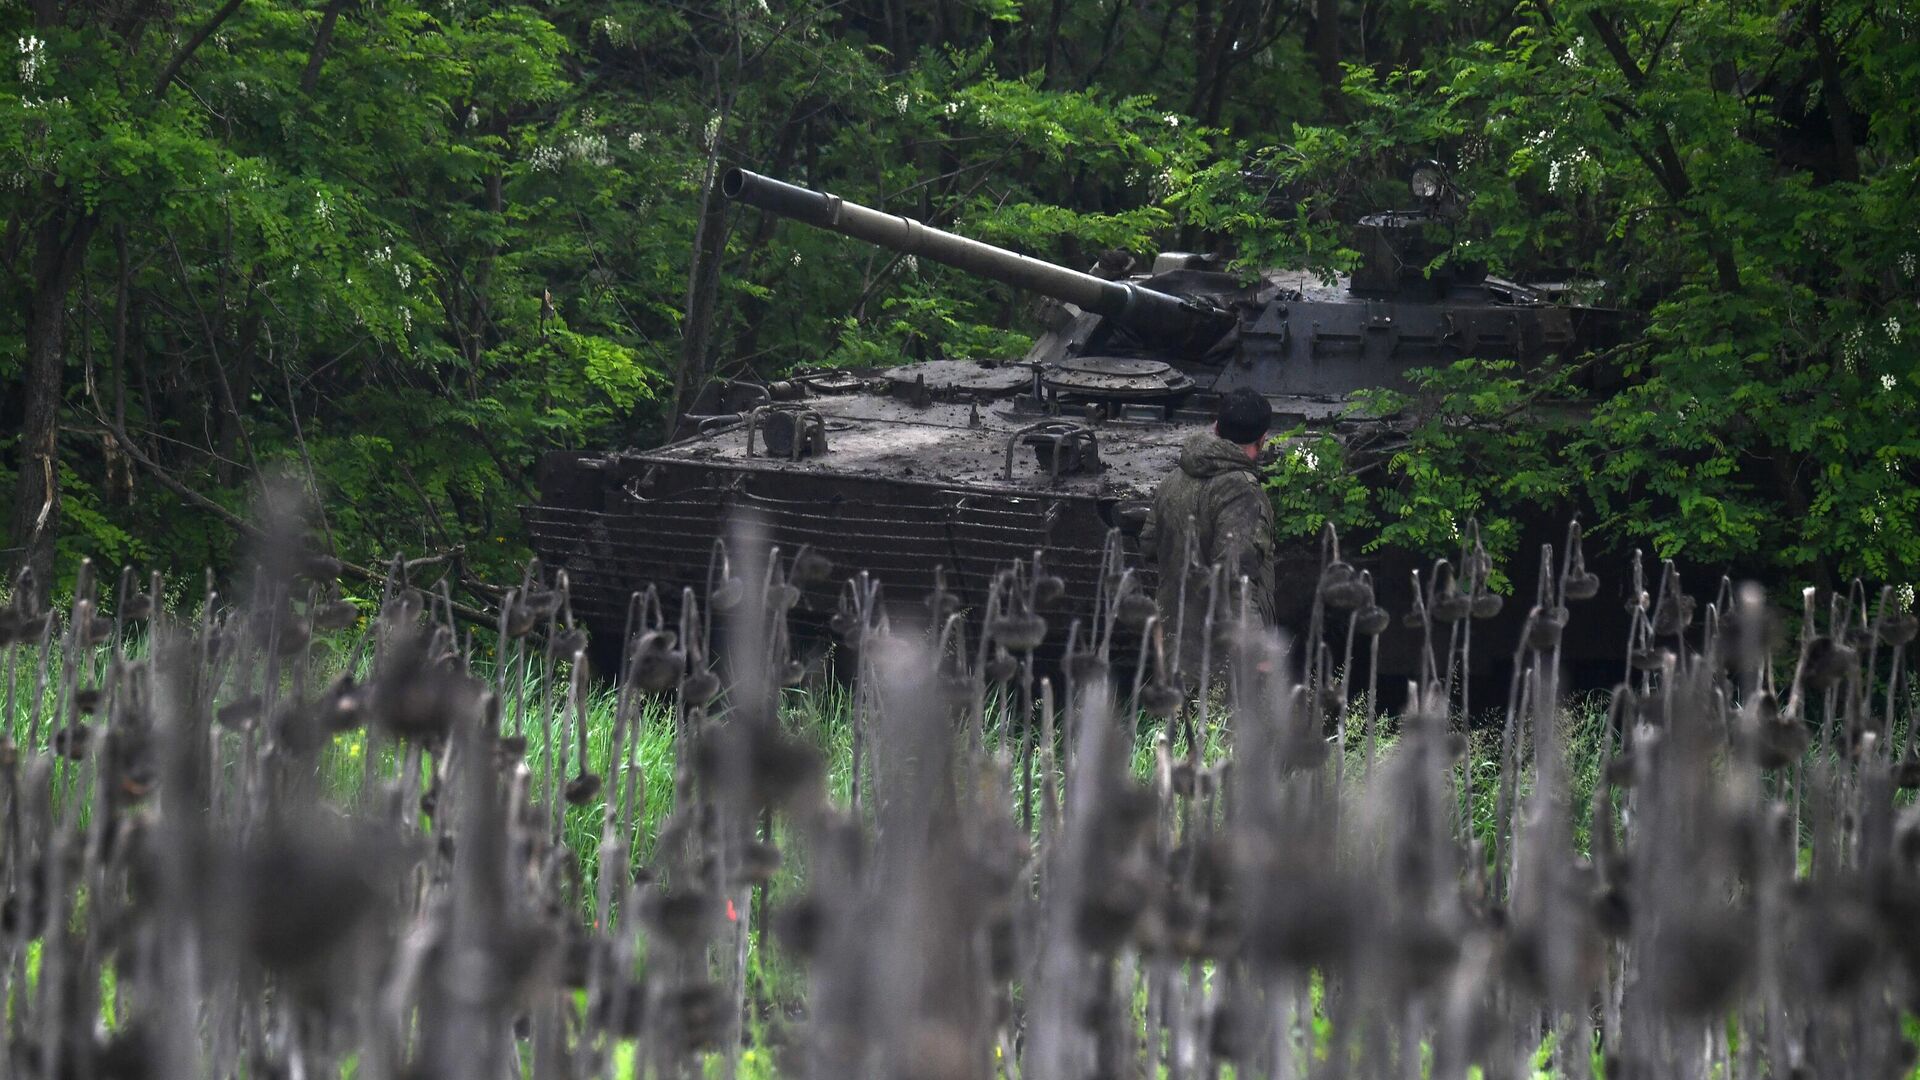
x,y
1216,57
322,39
1203,35
1326,52
59,242
1793,495
703,291
753,309
237,389
119,466
1833,90
1052,42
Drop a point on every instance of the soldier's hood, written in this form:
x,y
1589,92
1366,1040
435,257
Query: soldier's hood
x,y
1207,455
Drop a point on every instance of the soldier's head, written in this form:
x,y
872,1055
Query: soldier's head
x,y
1244,419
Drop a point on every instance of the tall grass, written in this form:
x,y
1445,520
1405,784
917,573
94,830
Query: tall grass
x,y
238,843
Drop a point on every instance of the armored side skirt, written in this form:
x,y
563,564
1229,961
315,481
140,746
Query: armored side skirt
x,y
619,526
615,537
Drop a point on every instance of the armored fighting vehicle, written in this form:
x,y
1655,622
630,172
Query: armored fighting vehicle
x,y
945,471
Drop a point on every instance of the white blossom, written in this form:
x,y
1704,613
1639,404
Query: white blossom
x,y
403,274
637,141
406,319
1172,119
900,104
1893,329
1306,458
951,108
712,131
1567,171
1850,349
1909,263
1904,594
546,159
911,264
589,148
323,210
33,57
794,258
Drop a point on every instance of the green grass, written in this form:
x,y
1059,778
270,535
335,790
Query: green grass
x,y
822,714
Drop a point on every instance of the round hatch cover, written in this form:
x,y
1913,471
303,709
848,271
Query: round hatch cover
x,y
1115,377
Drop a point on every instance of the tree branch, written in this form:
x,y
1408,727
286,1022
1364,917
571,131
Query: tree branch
x,y
1665,164
322,38
213,349
252,532
1666,36
199,38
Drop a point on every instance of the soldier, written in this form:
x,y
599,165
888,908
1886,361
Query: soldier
x,y
1212,513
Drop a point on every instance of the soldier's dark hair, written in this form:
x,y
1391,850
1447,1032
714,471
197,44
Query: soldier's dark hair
x,y
1245,417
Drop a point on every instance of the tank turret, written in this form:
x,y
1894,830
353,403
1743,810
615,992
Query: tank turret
x,y
1189,327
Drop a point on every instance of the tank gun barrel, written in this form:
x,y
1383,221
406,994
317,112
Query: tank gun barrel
x,y
1146,312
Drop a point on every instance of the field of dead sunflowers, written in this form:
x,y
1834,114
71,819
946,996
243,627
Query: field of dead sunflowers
x,y
277,833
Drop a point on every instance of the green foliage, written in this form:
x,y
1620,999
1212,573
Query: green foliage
x,y
920,322
353,277
1278,204
1311,484
1483,446
402,249
93,535
1697,159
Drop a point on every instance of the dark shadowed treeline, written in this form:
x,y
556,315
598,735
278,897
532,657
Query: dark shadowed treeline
x,y
400,247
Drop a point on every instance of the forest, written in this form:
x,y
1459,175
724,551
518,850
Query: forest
x,y
396,249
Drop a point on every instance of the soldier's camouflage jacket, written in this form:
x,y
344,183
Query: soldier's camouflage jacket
x,y
1213,511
